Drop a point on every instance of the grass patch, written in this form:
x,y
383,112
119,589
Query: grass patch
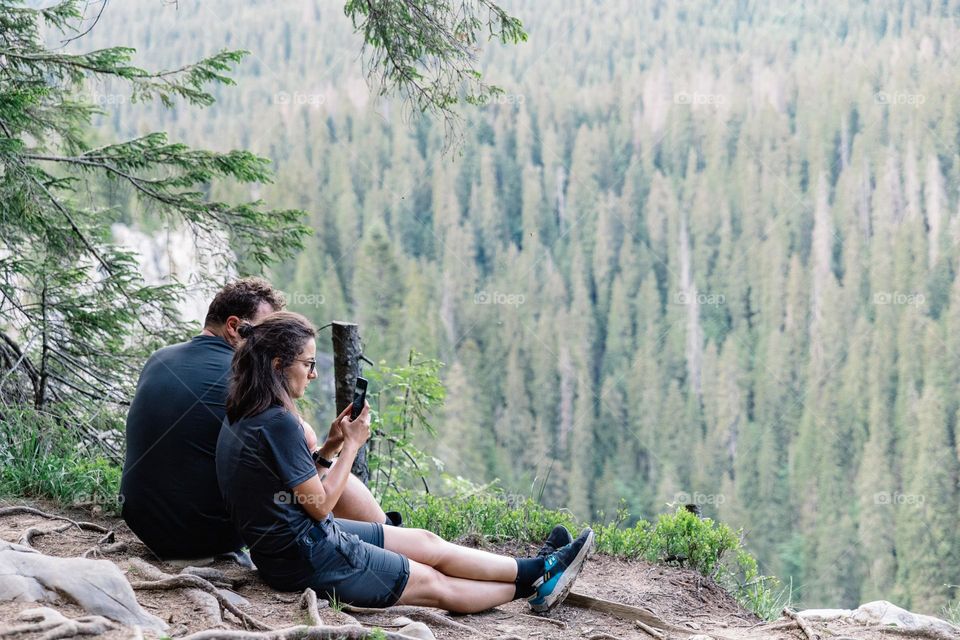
x,y
951,612
40,458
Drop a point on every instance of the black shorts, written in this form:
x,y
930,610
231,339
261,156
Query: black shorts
x,y
345,560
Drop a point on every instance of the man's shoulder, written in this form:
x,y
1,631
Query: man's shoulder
x,y
197,347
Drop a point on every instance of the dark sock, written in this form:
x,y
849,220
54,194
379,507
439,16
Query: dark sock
x,y
394,519
528,570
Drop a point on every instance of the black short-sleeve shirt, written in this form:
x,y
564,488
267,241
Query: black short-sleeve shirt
x,y
259,460
169,484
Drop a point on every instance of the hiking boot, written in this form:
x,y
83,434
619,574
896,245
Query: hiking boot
x,y
557,539
560,571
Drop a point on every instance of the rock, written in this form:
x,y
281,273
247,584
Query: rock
x,y
233,597
26,575
417,630
824,615
402,621
884,613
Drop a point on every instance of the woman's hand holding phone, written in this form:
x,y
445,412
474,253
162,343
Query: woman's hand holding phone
x,y
356,432
335,435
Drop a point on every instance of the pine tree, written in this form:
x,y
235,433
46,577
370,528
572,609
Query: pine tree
x,y
878,475
927,514
78,317
378,292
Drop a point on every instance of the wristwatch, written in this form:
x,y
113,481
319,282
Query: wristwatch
x,y
320,460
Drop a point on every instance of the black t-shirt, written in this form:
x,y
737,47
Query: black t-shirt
x,y
259,460
169,488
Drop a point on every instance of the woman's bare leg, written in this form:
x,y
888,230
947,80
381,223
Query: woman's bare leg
x,y
450,559
427,587
357,503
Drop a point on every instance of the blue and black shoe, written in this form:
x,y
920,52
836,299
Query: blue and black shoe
x,y
560,571
557,539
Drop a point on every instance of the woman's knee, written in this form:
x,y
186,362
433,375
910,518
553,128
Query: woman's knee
x,y
425,586
435,548
417,544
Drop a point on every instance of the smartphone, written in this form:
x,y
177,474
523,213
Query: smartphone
x,y
359,398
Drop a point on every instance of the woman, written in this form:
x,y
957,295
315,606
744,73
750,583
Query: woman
x,y
282,507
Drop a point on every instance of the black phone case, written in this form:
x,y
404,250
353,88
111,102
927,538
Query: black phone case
x,y
358,399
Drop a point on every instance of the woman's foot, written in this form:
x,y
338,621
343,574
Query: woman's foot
x,y
557,539
560,571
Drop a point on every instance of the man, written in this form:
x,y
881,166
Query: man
x,y
169,490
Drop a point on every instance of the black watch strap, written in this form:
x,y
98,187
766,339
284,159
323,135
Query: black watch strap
x,y
320,460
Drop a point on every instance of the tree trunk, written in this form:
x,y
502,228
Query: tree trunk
x,y
346,368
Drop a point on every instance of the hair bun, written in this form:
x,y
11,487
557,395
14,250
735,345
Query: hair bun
x,y
245,330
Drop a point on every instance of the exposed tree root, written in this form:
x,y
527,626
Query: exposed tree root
x,y
194,582
300,632
928,634
32,533
309,602
105,550
650,631
425,615
54,624
556,623
24,510
803,624
216,577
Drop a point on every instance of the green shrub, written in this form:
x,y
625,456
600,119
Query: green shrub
x,y
403,401
41,458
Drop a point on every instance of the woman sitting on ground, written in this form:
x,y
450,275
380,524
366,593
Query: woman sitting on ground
x,y
282,507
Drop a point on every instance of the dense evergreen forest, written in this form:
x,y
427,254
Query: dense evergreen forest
x,y
696,251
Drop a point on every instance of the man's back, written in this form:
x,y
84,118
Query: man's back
x,y
169,489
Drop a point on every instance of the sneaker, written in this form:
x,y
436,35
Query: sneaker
x,y
557,539
560,571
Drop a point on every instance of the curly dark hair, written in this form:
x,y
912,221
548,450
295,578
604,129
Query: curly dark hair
x,y
255,384
242,298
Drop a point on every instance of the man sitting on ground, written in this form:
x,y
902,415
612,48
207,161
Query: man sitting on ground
x,y
171,499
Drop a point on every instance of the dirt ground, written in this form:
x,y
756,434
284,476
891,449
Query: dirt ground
x,y
683,598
